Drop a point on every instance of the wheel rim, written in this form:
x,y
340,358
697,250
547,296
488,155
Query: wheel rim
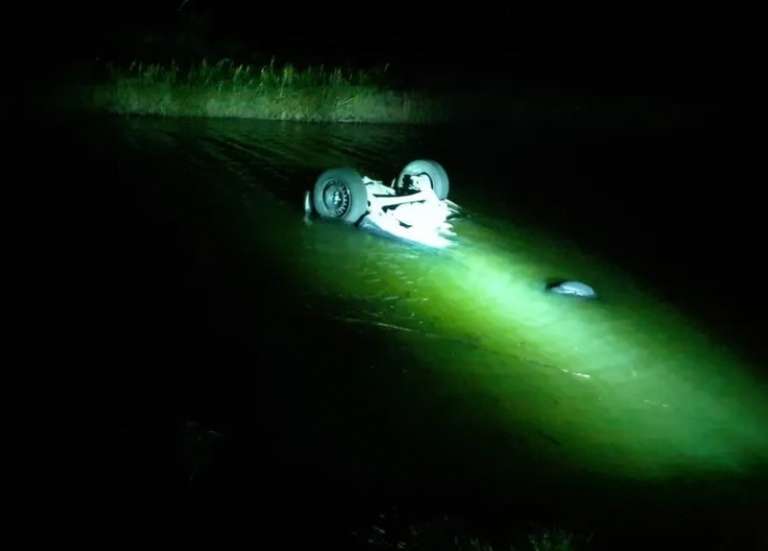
x,y
336,197
403,185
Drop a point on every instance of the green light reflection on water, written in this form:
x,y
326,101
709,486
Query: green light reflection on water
x,y
624,383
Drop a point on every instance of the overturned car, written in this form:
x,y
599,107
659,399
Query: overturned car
x,y
414,207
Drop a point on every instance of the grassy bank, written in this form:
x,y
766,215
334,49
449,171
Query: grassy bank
x,y
321,94
448,533
224,89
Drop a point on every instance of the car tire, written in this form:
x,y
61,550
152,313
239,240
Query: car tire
x,y
432,169
340,194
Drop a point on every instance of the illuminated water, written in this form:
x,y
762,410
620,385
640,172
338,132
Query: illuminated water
x,y
402,370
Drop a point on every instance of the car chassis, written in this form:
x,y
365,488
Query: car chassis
x,y
414,207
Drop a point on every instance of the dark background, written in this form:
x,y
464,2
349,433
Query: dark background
x,y
697,204
700,52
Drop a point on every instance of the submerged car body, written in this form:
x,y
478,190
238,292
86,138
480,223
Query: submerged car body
x,y
415,207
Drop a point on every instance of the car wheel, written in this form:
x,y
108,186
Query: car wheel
x,y
432,169
340,194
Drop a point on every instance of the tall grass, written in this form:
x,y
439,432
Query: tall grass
x,y
225,89
390,532
324,94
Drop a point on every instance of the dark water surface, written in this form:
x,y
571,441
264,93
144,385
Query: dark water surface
x,y
336,372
